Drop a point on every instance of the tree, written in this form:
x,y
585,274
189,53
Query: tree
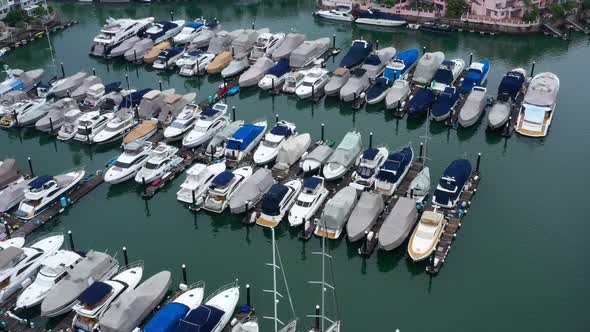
x,y
14,17
39,11
532,15
557,11
390,2
455,8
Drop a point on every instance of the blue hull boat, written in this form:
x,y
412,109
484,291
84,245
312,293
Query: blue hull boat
x,y
358,52
444,103
422,101
450,185
512,83
377,92
400,66
476,76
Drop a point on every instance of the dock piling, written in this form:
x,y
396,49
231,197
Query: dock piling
x,y
412,193
334,40
423,49
377,44
31,166
63,71
184,276
15,117
160,84
312,92
370,140
478,163
272,85
470,58
135,56
253,25
323,128
7,229
71,237
171,16
50,125
87,135
125,257
127,80
317,316
194,197
198,64
248,302
276,118
233,113
532,69
353,100
137,114
421,150
94,71
144,186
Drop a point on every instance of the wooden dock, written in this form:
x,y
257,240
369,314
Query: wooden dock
x,y
11,322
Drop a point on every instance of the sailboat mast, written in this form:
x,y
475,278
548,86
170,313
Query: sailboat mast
x,y
323,280
49,42
274,280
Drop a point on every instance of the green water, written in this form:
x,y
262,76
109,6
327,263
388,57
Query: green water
x,y
519,262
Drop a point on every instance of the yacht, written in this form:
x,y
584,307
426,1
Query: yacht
x,y
13,194
277,201
308,52
216,147
510,88
244,140
426,235
452,183
341,13
117,127
378,90
393,171
269,147
69,128
265,44
275,77
195,63
210,121
188,32
398,94
293,80
447,74
344,156
374,16
174,104
80,93
370,162
120,50
32,111
163,159
167,318
167,58
308,202
204,37
313,83
223,186
254,74
45,191
53,269
55,118
251,191
20,80
538,106
198,178
90,124
316,159
62,87
142,132
17,242
236,66
135,155
19,265
163,30
182,123
115,32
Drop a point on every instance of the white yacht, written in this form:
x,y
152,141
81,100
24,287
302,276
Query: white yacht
x,y
313,83
19,265
115,32
277,201
182,123
135,155
90,124
269,147
538,106
215,313
293,80
45,191
210,121
341,13
70,126
117,127
244,140
93,95
223,186
163,159
370,161
17,242
308,202
426,235
195,63
198,178
53,269
265,44
163,30
188,32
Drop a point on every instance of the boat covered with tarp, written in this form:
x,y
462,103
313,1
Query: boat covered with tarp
x,y
291,150
308,51
443,106
398,224
359,51
421,102
289,44
365,214
336,213
9,172
451,184
401,64
251,191
427,67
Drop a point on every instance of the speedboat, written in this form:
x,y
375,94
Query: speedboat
x,y
188,32
151,55
308,202
398,224
355,85
90,124
216,147
167,58
344,156
402,64
10,100
205,36
420,103
284,50
220,61
445,103
538,106
151,103
163,159
341,13
122,122
276,75
53,268
313,162
164,30
223,186
393,171
31,112
136,53
291,150
315,80
358,52
269,147
265,44
420,186
13,194
62,87
277,201
244,42
174,104
364,216
210,121
135,155
55,118
293,80
196,64
45,191
374,16
116,31
20,80
451,184
370,162
142,132
197,181
105,98
21,264
255,73
477,75
426,235
474,107
378,90
447,74
182,123
236,66
244,140
120,50
337,81
188,58
167,318
433,26
427,67
307,52
95,266
336,213
98,297
80,93
222,41
69,128
375,63
251,191
509,89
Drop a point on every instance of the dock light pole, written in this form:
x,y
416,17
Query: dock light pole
x,y
532,68
276,118
478,163
143,183
184,276
248,302
233,113
160,84
94,71
323,128
421,150
125,257
334,40
71,237
7,229
423,49
377,44
317,317
127,80
370,140
253,25
171,15
470,58
31,166
134,56
63,71
50,125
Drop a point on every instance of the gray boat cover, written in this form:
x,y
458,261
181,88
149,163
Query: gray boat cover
x,y
251,190
244,42
364,215
339,208
125,46
291,150
9,257
256,72
374,68
222,136
132,307
347,151
473,107
307,51
80,92
398,224
57,114
542,90
320,154
499,113
220,42
151,103
290,43
173,104
236,66
427,67
29,78
399,90
337,81
13,97
69,84
12,195
357,83
139,50
9,172
421,183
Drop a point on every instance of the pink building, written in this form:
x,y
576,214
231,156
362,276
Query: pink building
x,y
497,9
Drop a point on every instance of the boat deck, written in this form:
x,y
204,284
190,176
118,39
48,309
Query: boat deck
x,y
188,157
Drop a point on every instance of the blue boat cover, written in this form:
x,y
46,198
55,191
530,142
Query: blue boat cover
x,y
280,68
194,25
281,130
358,51
244,136
115,86
312,183
444,76
96,292
381,84
171,52
202,319
40,181
272,199
474,77
395,165
195,53
372,60
511,84
209,113
408,58
166,25
370,154
452,180
445,102
222,178
133,99
166,319
423,99
212,24
376,14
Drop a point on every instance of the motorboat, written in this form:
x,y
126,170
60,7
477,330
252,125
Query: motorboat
x,y
135,155
269,147
344,157
162,161
17,242
69,128
316,159
341,13
370,162
142,132
188,32
19,265
291,150
245,41
307,52
244,140
80,93
275,77
509,89
167,318
265,44
358,52
188,58
375,63
538,106
216,147
9,172
420,186
210,122
308,202
251,191
52,269
512,83
355,85
62,87
132,307
364,215
55,117
402,64
336,213
182,123
236,66
315,80
198,179
277,201
98,297
196,64
116,128
433,26
173,104
215,314
293,80
222,41
378,90
398,224
221,61
420,103
13,194
90,124
20,80
45,191
394,170
95,266
115,32
452,183
136,53
427,67
204,37
291,42
445,104
477,74
120,50
426,235
255,73
10,100
104,97
223,186
447,74
337,81
31,112
473,107
152,54
163,30
151,103
167,58
374,16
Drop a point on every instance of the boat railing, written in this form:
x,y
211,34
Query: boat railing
x,y
222,289
135,264
198,284
46,236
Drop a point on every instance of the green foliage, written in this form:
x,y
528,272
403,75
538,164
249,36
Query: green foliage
x,y
455,8
39,11
557,11
14,17
532,15
586,4
389,2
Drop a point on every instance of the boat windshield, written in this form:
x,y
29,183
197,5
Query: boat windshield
x,y
270,144
303,203
307,83
121,164
366,172
150,165
535,114
201,127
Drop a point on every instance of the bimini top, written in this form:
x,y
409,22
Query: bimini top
x,y
202,319
511,84
244,136
370,153
223,178
96,292
272,199
312,183
40,181
280,68
133,99
394,166
166,319
281,130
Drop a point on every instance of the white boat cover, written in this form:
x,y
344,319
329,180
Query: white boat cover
x,y
347,150
398,224
307,51
375,65
473,107
364,215
251,190
291,42
399,89
499,113
292,149
320,154
256,72
427,67
421,183
220,42
244,42
9,172
542,90
338,209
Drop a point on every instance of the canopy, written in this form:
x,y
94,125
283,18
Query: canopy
x,y
292,149
244,136
347,150
338,209
40,181
251,190
306,51
271,202
133,99
209,113
194,25
542,90
166,319
444,76
222,178
281,130
202,319
456,174
395,165
96,292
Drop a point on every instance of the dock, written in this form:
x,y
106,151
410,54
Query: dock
x,y
11,322
188,158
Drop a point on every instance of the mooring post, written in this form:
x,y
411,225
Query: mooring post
x,y
323,128
194,197
317,316
15,117
272,85
7,229
354,100
370,140
50,125
276,118
423,49
412,193
253,25
144,186
171,16
365,244
470,58
233,113
160,84
87,135
30,166
198,64
377,44
312,91
63,71
127,80
184,276
233,52
334,40
94,71
532,68
421,149
125,257
248,302
569,33
477,163
135,56
137,114
71,237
